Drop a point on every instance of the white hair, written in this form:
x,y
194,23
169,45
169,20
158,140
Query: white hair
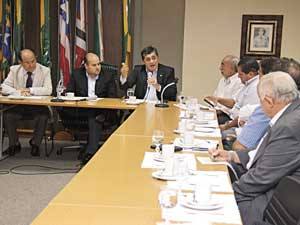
x,y
234,60
280,86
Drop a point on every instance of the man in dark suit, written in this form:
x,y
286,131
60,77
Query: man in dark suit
x,y
150,78
91,81
278,153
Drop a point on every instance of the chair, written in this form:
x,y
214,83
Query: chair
x,y
284,206
79,124
49,132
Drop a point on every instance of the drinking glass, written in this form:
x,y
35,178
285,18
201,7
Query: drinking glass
x,y
157,139
130,92
167,200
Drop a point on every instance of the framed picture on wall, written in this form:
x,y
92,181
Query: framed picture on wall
x,y
261,35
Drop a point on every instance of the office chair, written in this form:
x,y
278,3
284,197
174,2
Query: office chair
x,y
79,124
49,132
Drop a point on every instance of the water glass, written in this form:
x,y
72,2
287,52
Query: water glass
x,y
130,92
167,199
157,138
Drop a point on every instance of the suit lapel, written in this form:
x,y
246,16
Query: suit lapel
x,y
265,142
160,75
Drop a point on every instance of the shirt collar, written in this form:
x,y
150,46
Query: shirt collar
x,y
251,80
227,80
278,114
91,78
24,72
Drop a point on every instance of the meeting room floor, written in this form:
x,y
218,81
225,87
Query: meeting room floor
x,y
23,197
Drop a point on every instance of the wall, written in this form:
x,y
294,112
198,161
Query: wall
x,y
214,30
160,23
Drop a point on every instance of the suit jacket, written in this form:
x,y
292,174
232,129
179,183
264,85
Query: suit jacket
x,y
104,87
278,156
41,82
138,77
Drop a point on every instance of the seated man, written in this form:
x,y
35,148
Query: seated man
x,y
150,78
91,81
228,87
28,78
256,126
278,153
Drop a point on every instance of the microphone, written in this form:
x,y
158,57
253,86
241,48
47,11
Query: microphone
x,y
59,90
162,104
149,75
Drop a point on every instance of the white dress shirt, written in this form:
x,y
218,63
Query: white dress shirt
x,y
91,85
151,90
228,88
252,154
247,95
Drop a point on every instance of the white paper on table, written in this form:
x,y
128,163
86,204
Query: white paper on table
x,y
198,145
150,163
218,181
206,123
208,161
229,213
26,97
94,100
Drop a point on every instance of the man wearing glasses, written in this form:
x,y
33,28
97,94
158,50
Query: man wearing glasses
x,y
150,78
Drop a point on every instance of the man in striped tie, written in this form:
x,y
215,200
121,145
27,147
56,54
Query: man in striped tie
x,y
26,79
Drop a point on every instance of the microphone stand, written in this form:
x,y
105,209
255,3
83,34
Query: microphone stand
x,y
162,104
59,91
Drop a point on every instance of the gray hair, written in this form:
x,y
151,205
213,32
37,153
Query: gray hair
x,y
280,86
234,60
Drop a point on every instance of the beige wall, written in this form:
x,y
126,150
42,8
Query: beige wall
x,y
160,23
213,29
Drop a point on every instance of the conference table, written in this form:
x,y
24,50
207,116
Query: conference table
x,y
112,188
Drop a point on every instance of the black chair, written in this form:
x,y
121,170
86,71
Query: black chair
x,y
49,132
284,206
79,125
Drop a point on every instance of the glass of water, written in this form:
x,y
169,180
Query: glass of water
x,y
130,92
157,139
168,198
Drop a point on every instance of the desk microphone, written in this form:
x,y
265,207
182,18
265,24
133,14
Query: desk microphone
x,y
149,75
162,104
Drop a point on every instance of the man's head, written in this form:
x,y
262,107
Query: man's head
x,y
292,67
150,58
247,69
276,90
268,65
27,59
228,65
92,64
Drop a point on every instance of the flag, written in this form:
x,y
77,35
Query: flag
x,y
99,30
80,33
126,54
64,42
6,43
45,33
17,30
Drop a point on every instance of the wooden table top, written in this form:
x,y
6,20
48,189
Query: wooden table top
x,y
113,188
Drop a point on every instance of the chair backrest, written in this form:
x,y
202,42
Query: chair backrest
x,y
115,71
284,206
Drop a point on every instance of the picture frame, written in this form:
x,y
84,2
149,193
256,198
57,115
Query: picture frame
x,y
261,36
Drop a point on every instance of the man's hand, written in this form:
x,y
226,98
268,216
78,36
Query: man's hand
x,y
25,91
153,81
124,70
212,99
218,155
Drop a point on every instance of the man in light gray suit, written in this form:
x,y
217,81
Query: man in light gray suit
x,y
28,78
278,153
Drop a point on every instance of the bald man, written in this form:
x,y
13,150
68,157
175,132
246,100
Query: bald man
x,y
26,79
91,81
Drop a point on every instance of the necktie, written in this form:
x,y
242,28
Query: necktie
x,y
29,80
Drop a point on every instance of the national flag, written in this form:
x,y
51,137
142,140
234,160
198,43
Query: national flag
x,y
126,54
99,30
64,43
80,33
45,32
6,44
17,30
